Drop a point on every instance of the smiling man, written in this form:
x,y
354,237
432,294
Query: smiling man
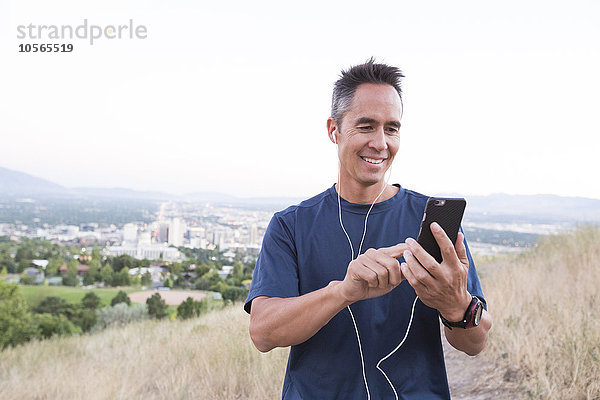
x,y
328,282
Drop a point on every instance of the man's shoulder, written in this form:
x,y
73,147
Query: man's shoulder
x,y
415,196
307,204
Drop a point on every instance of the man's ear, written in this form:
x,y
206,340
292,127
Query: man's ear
x,y
333,130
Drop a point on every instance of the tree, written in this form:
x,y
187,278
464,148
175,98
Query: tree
x,y
72,266
147,279
16,322
9,264
88,279
90,301
123,261
191,308
53,266
121,297
157,308
121,278
24,253
234,293
93,273
70,279
106,274
85,319
55,306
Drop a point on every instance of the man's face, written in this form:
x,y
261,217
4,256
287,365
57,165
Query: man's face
x,y
370,135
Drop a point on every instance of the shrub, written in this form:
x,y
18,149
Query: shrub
x,y
118,315
157,308
121,297
50,325
85,318
234,293
26,280
91,301
191,308
55,306
147,279
16,322
70,279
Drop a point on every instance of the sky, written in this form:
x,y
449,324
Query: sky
x,y
233,96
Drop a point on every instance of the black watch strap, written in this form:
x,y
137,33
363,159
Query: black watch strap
x,y
470,319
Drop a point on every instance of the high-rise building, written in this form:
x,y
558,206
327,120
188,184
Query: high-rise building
x,y
253,234
176,231
163,233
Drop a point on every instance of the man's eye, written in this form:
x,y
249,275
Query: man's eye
x,y
392,131
364,128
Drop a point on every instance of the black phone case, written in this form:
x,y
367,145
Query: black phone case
x,y
448,215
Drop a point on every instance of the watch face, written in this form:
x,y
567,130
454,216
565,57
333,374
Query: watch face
x,y
478,312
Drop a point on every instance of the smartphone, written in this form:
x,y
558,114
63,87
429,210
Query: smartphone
x,y
448,214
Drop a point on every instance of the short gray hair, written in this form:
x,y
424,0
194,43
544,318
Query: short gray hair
x,y
369,72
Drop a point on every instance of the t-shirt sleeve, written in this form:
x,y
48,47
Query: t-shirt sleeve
x,y
473,284
276,271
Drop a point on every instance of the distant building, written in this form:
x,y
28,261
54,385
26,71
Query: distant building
x,y
152,251
40,263
82,269
253,234
176,231
163,233
225,271
145,238
130,233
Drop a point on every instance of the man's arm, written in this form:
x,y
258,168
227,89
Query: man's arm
x,y
444,287
280,322
471,341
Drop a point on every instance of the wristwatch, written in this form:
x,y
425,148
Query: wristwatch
x,y
472,316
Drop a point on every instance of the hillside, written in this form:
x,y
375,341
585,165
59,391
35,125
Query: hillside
x,y
545,344
15,183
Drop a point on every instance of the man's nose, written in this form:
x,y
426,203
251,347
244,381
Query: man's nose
x,y
378,141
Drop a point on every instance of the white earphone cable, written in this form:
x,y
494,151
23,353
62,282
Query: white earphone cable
x,y
362,360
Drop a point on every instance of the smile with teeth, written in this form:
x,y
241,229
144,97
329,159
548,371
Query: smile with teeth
x,y
372,160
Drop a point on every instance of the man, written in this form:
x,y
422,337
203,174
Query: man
x,y
356,327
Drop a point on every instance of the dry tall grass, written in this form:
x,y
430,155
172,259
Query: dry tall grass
x,y
545,304
546,310
210,357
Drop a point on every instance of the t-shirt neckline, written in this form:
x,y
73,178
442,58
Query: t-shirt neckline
x,y
363,208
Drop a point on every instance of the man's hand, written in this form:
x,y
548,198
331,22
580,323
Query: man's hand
x,y
440,286
373,274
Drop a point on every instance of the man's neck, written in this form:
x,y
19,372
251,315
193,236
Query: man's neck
x,y
359,194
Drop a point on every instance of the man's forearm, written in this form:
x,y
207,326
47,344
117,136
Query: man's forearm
x,y
471,341
280,322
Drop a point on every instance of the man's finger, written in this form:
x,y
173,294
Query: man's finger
x,y
461,250
362,273
394,251
423,257
446,246
371,262
420,273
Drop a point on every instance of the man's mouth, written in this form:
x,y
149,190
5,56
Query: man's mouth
x,y
372,160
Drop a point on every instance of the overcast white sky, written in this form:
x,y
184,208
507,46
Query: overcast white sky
x,y
233,96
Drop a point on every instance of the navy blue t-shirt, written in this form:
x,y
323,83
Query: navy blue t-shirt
x,y
304,249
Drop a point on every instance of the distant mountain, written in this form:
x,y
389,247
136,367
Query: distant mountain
x,y
541,206
120,193
518,207
15,183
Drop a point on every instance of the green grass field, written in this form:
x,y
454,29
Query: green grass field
x,y
34,294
